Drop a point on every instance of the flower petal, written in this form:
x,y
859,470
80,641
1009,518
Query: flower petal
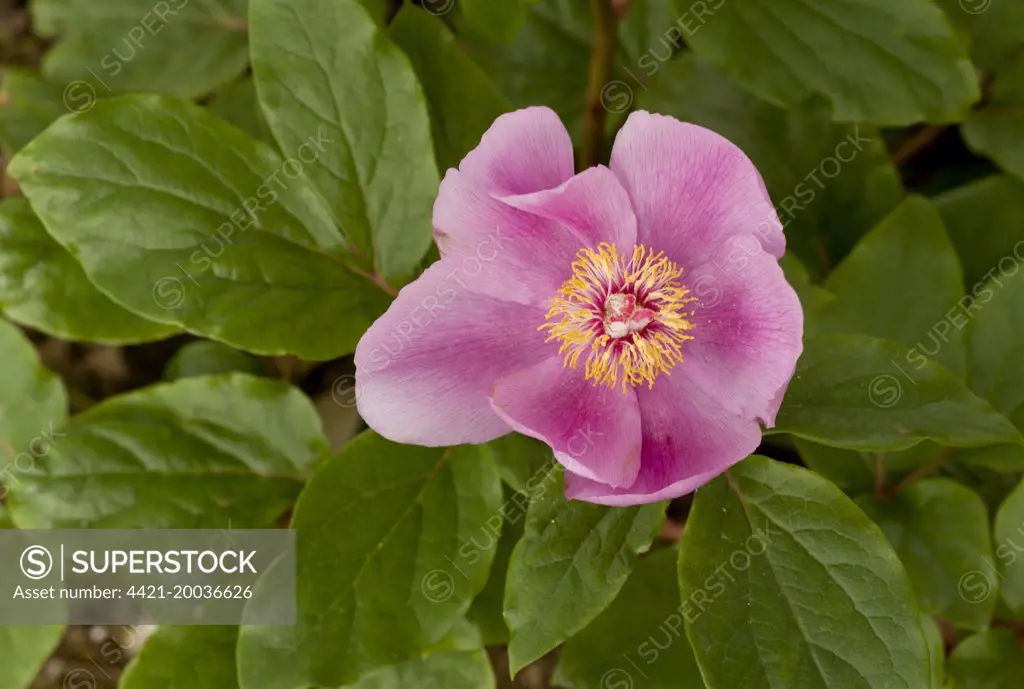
x,y
747,330
528,256
691,189
522,152
593,204
594,431
425,369
687,441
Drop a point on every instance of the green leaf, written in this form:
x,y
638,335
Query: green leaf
x,y
193,657
205,358
638,639
487,607
23,650
444,670
450,80
850,470
831,183
879,61
910,255
813,299
32,401
996,344
233,256
42,286
995,28
1008,532
237,104
856,392
176,47
854,471
387,563
570,564
990,660
498,20
936,649
324,67
985,220
546,62
226,451
774,562
28,105
996,130
525,463
938,552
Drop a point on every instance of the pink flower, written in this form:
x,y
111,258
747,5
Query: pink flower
x,y
633,317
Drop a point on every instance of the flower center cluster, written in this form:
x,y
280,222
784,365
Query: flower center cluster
x,y
625,315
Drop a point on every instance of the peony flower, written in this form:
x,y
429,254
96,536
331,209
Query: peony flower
x,y
632,317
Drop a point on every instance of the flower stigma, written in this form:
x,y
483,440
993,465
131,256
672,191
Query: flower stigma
x,y
626,313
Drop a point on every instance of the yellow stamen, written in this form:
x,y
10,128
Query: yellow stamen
x,y
627,315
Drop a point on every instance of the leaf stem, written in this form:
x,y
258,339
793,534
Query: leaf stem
x,y
605,23
917,142
923,470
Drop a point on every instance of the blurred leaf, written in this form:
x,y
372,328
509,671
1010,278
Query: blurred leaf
x,y
640,635
907,254
1004,459
525,463
28,105
1008,532
385,567
936,650
192,657
995,346
237,104
487,607
879,61
989,660
498,20
850,470
569,565
226,451
831,183
451,80
32,399
849,391
787,584
996,130
205,358
938,552
42,286
444,670
23,650
324,69
813,298
995,28
183,220
546,62
176,47
854,471
985,220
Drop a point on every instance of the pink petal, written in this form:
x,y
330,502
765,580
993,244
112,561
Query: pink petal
x,y
594,431
593,205
687,441
691,189
425,369
748,330
527,256
522,152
